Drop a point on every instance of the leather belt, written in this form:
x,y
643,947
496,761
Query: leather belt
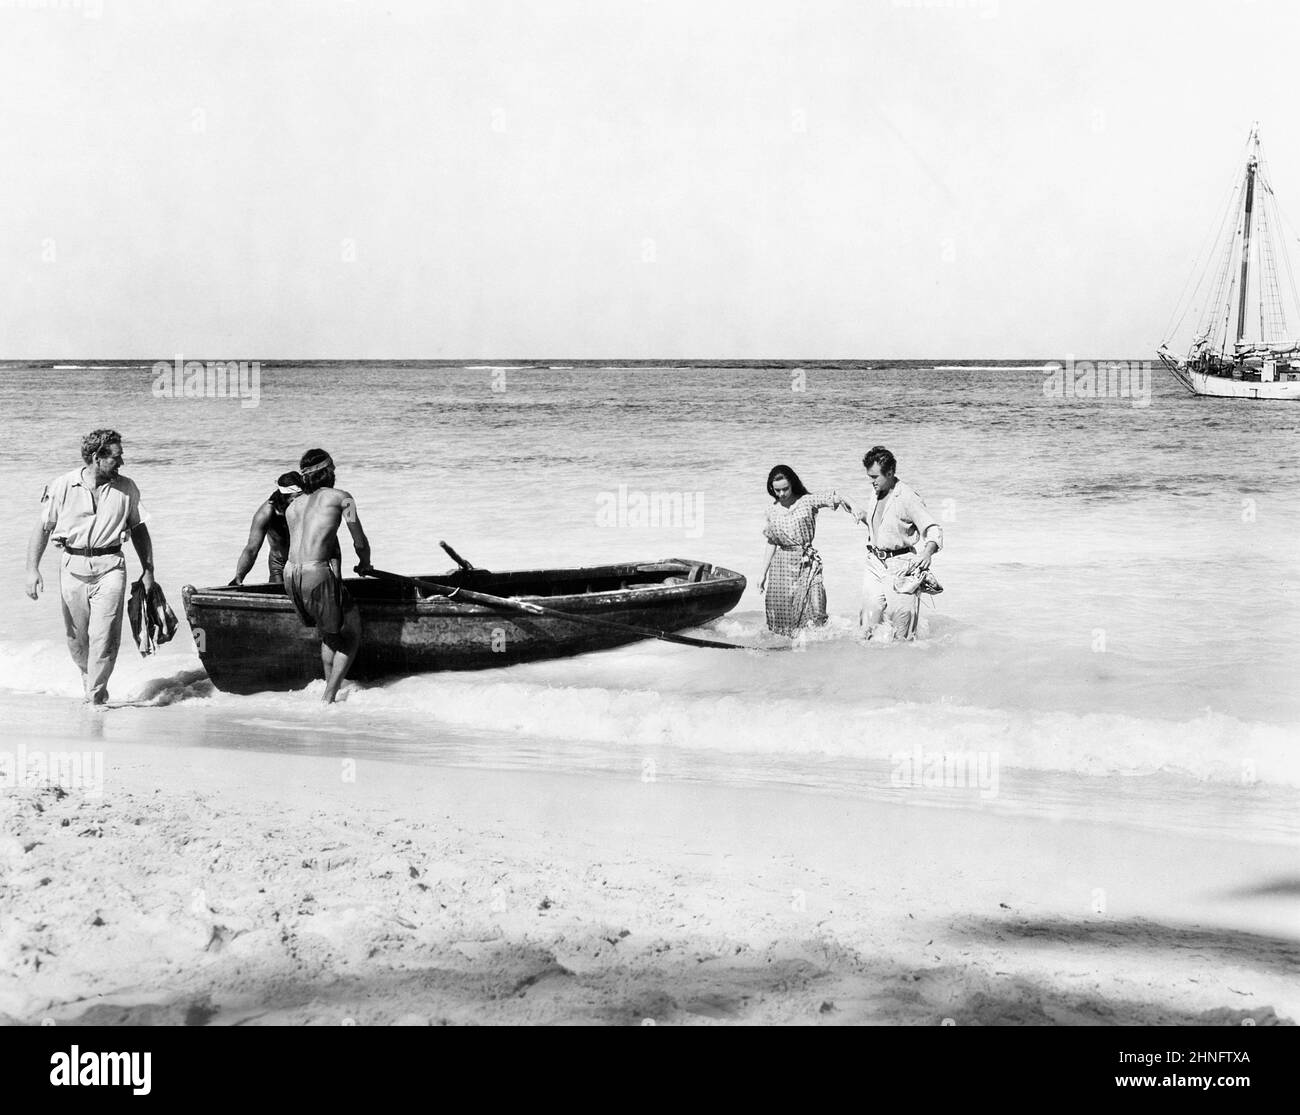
x,y
92,551
883,554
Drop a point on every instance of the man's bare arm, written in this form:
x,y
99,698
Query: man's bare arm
x,y
35,549
256,536
359,541
143,543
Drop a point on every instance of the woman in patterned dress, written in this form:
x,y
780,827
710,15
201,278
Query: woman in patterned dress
x,y
792,577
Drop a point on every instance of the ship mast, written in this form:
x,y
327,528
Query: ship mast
x,y
1251,164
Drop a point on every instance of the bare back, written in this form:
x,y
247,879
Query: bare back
x,y
314,520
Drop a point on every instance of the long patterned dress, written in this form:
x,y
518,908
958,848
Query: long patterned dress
x,y
796,597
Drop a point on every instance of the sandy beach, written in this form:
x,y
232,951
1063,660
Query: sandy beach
x,y
223,887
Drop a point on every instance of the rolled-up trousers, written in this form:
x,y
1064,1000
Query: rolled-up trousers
x,y
92,621
881,604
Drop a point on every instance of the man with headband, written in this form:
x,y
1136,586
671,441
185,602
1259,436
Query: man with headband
x,y
270,525
312,578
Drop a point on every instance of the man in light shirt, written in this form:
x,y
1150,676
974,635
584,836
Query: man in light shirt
x,y
88,513
899,523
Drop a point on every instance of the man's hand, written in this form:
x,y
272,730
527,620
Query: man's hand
x,y
362,568
147,578
920,565
34,583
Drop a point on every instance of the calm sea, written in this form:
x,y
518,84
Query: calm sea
x,y
1118,636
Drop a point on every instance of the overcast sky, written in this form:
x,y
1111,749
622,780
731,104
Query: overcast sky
x,y
623,178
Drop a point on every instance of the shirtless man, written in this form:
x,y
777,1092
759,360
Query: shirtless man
x,y
311,575
269,526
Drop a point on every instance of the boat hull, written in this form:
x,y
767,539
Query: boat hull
x,y
1225,387
251,639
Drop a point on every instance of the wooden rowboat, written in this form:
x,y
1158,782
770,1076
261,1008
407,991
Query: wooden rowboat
x,y
250,638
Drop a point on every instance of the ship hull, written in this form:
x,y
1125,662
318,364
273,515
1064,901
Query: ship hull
x,y
1225,387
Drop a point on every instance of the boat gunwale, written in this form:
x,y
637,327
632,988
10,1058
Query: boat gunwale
x,y
722,581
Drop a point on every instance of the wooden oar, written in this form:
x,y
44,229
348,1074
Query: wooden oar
x,y
460,560
483,598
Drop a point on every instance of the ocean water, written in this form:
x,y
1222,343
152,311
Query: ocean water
x,y
1118,635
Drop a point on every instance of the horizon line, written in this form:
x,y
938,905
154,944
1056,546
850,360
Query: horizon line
x,y
551,359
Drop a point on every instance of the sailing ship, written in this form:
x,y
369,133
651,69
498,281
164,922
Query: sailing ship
x,y
1262,360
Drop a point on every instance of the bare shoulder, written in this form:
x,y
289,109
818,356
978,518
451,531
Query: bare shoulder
x,y
325,497
348,506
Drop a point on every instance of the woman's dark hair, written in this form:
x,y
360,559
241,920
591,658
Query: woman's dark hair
x,y
879,455
280,500
796,485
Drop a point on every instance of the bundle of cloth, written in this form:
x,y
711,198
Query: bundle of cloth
x,y
152,620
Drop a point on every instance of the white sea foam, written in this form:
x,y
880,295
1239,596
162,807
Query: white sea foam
x,y
44,666
1213,747
689,713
